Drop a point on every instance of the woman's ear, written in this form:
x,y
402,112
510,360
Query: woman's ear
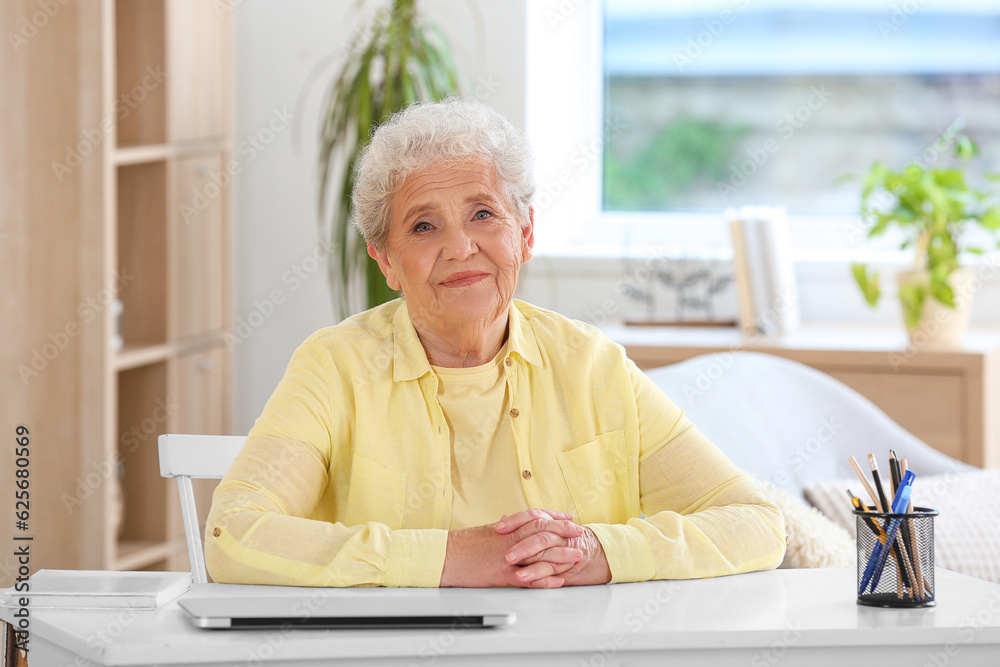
x,y
528,234
385,266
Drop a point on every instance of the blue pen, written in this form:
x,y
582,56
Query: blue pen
x,y
877,561
899,505
870,567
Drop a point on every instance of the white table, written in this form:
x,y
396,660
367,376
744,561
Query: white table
x,y
786,617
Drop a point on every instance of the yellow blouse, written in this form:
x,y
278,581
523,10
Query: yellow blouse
x,y
484,470
345,478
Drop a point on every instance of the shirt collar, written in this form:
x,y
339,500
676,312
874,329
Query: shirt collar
x,y
410,360
521,337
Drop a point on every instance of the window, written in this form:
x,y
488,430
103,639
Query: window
x,y
732,103
649,118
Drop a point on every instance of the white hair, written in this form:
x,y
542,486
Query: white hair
x,y
426,134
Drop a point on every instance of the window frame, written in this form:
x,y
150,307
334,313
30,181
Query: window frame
x,y
565,73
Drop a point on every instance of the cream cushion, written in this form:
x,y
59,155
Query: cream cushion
x,y
813,540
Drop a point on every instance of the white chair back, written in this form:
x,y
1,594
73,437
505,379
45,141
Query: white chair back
x,y
187,457
787,423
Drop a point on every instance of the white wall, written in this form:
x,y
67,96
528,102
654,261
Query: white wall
x,y
285,53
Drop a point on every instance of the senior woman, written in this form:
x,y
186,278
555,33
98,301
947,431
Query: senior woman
x,y
459,437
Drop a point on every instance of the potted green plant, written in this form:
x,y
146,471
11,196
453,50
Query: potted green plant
x,y
399,58
934,208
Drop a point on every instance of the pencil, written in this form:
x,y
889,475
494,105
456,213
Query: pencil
x,y
905,557
894,481
897,552
878,484
897,476
864,481
894,475
860,506
914,548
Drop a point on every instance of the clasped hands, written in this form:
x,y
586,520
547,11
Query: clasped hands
x,y
533,548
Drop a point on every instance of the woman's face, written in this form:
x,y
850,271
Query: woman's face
x,y
454,246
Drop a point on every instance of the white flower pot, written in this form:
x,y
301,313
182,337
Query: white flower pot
x,y
941,326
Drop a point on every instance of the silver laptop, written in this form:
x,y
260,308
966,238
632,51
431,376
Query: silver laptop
x,y
343,609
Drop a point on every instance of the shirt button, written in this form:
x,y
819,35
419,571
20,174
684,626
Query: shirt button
x,y
509,362
217,532
526,474
514,412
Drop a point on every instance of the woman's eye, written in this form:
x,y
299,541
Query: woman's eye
x,y
422,227
482,215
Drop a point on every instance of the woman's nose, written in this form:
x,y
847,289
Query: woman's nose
x,y
459,244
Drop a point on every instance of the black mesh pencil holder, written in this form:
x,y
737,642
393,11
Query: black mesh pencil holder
x,y
901,575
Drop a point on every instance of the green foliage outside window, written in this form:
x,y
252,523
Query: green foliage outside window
x,y
681,156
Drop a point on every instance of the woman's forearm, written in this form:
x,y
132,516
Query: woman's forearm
x,y
740,531
260,531
245,545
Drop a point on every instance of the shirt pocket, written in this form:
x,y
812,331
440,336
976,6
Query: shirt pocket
x,y
597,476
376,494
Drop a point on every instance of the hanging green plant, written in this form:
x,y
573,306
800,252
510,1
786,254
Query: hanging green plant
x,y
398,59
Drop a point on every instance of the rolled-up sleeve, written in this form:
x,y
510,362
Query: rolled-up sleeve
x,y
702,516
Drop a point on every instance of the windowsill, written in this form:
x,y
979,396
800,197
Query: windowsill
x,y
725,254
816,239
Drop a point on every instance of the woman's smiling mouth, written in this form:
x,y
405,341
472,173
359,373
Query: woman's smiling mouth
x,y
464,278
